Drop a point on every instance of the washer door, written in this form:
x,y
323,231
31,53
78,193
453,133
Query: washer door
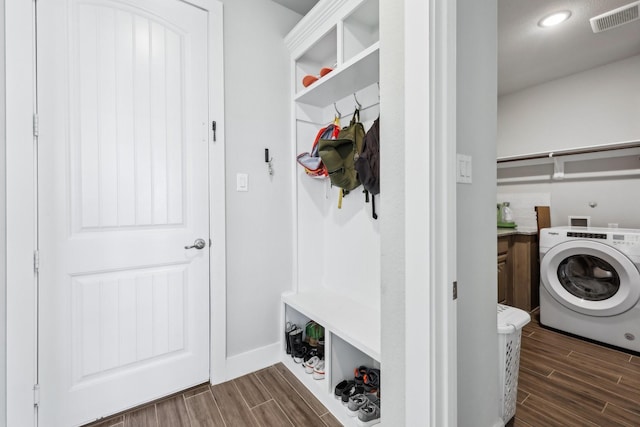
x,y
590,277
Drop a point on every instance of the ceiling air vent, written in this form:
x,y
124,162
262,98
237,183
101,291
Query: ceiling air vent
x,y
616,17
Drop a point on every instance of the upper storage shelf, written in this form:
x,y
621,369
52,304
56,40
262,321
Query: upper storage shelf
x,y
359,72
604,161
342,35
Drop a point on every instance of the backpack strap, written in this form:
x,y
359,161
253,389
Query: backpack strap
x,y
356,117
373,207
373,202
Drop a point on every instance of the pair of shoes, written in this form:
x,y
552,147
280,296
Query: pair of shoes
x,y
310,352
310,79
351,390
369,413
368,378
310,363
315,365
359,401
299,351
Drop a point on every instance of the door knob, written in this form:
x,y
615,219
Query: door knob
x,y
198,244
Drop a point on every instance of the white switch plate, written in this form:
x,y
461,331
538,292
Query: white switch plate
x,y
463,169
242,182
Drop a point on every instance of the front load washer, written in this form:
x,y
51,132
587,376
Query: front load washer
x,y
590,283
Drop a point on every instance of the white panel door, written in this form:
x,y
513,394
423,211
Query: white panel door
x,y
123,188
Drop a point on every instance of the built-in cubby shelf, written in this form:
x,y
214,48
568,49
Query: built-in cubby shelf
x,y
343,298
359,72
351,320
352,339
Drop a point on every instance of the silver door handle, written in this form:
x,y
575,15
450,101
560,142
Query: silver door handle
x,y
198,244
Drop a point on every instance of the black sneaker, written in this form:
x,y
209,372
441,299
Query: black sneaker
x,y
312,351
299,351
342,385
351,391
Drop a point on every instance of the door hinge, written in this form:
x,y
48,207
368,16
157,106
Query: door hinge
x,y
36,395
36,125
455,290
213,128
36,261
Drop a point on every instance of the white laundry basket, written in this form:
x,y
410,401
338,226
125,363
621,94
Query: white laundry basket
x,y
511,320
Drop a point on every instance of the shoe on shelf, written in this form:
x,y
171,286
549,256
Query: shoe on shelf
x,y
318,370
311,352
341,387
290,327
311,363
372,381
351,391
359,373
358,401
294,339
298,352
369,414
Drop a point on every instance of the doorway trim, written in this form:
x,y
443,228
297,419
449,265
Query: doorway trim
x,y
21,219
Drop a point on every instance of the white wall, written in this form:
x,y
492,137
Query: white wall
x,y
476,238
257,102
392,230
598,106
3,240
616,199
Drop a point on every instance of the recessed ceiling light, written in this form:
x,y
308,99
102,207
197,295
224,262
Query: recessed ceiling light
x,y
554,19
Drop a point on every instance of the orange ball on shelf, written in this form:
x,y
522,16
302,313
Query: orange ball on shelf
x,y
324,71
308,79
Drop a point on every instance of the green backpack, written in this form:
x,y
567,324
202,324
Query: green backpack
x,y
339,155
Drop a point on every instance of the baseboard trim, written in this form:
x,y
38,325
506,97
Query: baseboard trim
x,y
251,361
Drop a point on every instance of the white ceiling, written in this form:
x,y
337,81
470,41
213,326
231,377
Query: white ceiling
x,y
300,6
529,55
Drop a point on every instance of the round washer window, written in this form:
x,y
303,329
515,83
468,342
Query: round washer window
x,y
588,277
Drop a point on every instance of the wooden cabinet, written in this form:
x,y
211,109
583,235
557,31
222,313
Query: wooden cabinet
x,y
518,271
504,274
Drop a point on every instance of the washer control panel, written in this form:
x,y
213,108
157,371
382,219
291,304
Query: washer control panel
x,y
625,239
587,235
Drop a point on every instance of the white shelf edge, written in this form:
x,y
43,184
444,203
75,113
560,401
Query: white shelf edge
x,y
352,76
350,320
322,393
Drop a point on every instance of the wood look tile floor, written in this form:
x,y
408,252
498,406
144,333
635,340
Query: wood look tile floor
x,y
563,382
271,397
566,381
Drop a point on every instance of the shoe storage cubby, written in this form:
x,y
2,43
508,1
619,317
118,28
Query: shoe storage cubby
x,y
337,250
345,359
342,356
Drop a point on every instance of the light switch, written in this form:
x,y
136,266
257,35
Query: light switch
x,y
463,169
242,182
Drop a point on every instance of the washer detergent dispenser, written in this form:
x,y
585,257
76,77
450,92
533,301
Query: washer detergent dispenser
x,y
505,216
